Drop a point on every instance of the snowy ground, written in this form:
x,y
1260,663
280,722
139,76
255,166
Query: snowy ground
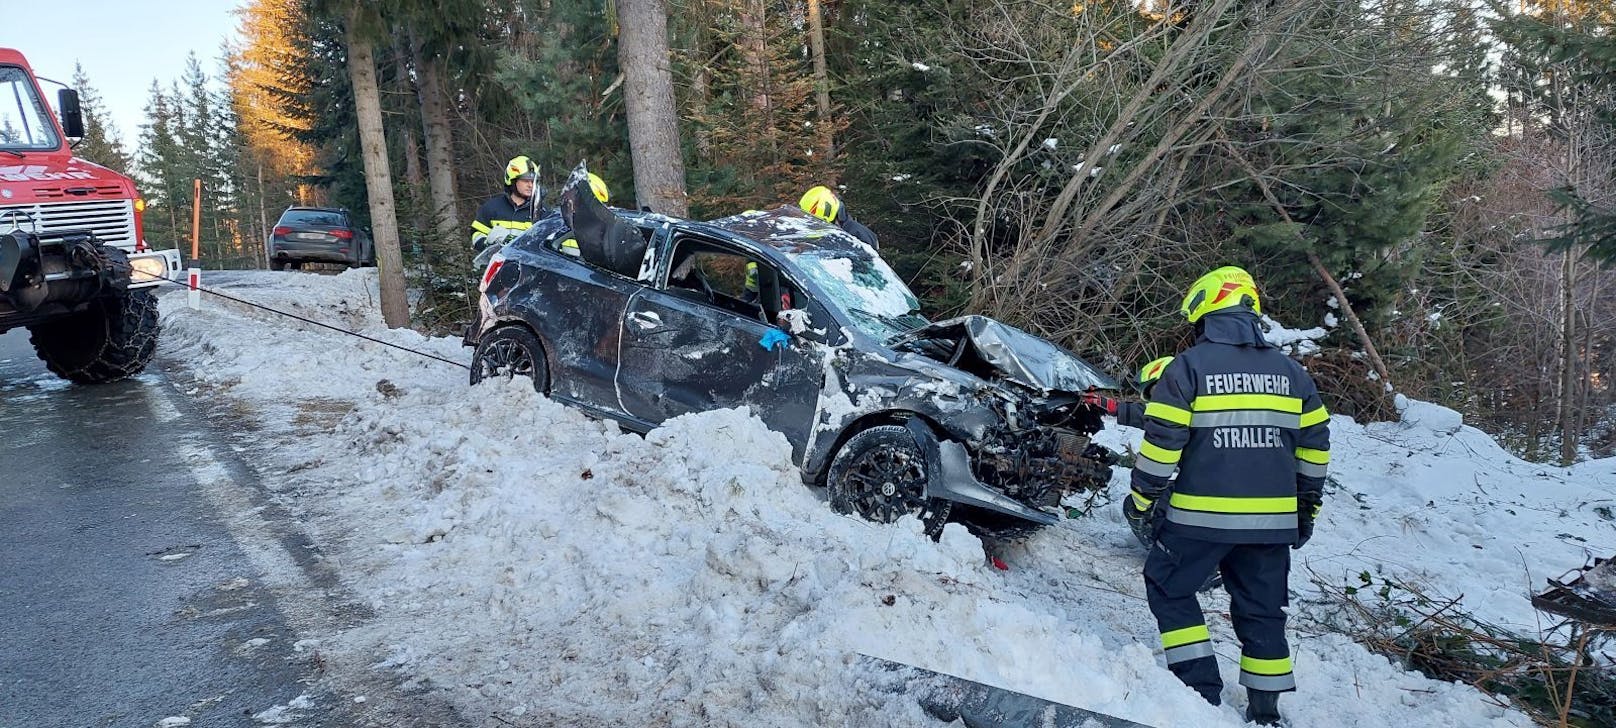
x,y
541,567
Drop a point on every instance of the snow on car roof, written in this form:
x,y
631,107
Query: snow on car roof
x,y
790,230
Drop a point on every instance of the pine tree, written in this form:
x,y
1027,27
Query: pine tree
x,y
100,144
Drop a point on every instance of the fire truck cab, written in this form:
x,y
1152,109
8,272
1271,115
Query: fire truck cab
x,y
75,269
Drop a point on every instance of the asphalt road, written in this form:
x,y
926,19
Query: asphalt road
x,y
125,599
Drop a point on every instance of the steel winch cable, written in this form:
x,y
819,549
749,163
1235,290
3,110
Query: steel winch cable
x,y
305,319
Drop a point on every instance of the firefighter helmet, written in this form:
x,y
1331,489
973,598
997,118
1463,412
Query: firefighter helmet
x,y
520,168
1224,288
821,203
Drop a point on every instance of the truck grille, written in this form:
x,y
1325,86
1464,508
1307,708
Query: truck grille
x,y
112,220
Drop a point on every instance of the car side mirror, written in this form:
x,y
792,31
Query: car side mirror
x,y
67,103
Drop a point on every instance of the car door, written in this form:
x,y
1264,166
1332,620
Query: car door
x,y
578,309
682,352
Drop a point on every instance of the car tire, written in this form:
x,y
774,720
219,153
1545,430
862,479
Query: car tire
x,y
880,475
113,339
511,351
278,265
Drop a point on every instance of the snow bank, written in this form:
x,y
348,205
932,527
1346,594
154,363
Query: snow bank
x,y
533,562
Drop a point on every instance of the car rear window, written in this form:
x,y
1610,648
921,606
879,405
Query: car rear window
x,y
312,217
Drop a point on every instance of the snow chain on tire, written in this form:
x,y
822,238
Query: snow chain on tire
x,y
114,338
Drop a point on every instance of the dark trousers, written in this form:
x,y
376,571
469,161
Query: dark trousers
x,y
1256,578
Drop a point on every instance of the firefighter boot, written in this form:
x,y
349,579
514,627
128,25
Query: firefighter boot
x,y
1262,707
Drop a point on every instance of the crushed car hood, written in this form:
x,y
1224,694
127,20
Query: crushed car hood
x,y
1011,353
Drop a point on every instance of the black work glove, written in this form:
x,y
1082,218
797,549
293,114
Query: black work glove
x,y
1307,506
1142,521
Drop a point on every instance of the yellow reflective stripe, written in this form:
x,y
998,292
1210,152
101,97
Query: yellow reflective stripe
x,y
1255,666
1315,417
1140,502
512,224
1159,454
570,243
480,227
1187,635
1317,457
1223,504
1168,413
1273,402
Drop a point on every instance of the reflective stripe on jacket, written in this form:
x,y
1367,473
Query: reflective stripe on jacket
x,y
1244,427
498,212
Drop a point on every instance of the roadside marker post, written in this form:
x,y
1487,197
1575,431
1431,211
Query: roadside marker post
x,y
193,284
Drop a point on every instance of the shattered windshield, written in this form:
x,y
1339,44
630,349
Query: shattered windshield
x,y
25,123
864,286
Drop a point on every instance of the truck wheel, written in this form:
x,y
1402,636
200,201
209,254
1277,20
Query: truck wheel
x,y
113,339
511,351
880,474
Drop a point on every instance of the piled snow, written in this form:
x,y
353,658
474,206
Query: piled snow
x,y
1295,342
531,561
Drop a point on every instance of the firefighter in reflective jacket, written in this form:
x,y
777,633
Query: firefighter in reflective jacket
x,y
1244,427
511,211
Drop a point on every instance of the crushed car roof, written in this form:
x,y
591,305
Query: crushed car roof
x,y
790,230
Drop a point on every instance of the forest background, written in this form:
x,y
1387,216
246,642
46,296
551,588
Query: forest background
x,y
1433,182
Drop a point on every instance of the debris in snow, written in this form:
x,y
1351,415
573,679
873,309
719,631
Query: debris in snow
x,y
921,67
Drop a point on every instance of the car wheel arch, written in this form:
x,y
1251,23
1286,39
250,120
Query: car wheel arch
x,y
548,350
821,460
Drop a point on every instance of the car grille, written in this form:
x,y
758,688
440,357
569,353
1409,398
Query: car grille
x,y
112,220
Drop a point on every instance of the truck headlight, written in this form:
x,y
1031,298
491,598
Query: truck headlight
x,y
146,269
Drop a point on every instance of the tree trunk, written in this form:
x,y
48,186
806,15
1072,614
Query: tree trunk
x,y
1568,359
378,173
816,46
439,142
653,123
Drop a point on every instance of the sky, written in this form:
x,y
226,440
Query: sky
x,y
123,44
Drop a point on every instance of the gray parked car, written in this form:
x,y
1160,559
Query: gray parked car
x,y
967,419
319,235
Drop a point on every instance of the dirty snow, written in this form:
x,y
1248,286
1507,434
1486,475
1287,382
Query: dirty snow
x,y
528,561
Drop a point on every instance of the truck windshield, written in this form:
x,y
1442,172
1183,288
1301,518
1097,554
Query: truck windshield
x,y
25,122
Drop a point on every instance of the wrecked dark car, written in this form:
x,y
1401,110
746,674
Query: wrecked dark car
x,y
967,419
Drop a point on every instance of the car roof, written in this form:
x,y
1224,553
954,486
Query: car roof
x,y
790,230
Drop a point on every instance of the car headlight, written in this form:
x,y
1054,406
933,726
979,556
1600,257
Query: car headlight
x,y
147,269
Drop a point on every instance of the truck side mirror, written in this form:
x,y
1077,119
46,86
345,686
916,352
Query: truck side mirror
x,y
67,102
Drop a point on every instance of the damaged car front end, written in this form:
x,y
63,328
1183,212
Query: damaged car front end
x,y
996,417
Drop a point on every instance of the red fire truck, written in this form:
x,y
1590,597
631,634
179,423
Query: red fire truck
x,y
74,265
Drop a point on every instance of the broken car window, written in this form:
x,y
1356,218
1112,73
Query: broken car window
x,y
864,286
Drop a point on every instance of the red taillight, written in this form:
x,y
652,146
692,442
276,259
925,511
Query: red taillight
x,y
282,230
488,275
343,234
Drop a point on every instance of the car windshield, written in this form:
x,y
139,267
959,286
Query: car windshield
x,y
311,217
864,286
25,122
